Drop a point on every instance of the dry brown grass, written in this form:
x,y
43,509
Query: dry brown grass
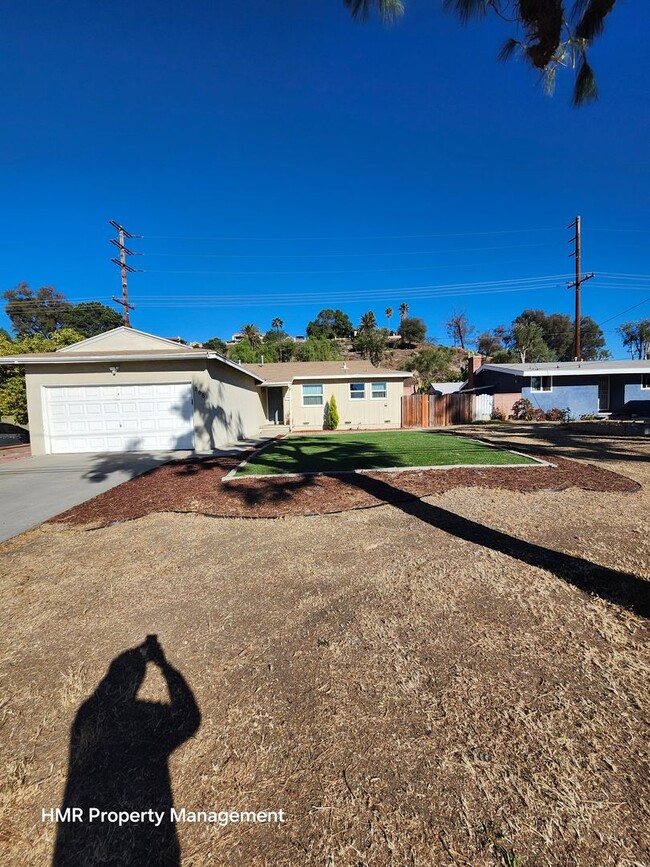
x,y
407,697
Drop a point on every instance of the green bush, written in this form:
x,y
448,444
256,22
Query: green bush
x,y
331,414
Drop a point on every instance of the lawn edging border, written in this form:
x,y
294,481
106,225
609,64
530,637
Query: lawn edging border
x,y
537,463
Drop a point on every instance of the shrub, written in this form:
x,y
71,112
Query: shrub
x,y
498,414
539,414
522,410
556,414
331,415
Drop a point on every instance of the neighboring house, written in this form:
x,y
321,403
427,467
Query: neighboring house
x,y
125,390
605,388
296,393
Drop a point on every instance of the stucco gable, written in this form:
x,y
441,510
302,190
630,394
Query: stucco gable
x,y
121,339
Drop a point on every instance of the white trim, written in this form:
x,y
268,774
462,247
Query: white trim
x,y
323,377
541,390
357,396
378,396
584,369
95,337
322,395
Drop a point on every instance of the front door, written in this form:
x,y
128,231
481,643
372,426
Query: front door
x,y
275,405
603,394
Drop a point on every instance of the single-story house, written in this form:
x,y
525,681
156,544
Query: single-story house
x,y
603,388
126,390
297,393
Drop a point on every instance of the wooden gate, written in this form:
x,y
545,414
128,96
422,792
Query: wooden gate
x,y
430,410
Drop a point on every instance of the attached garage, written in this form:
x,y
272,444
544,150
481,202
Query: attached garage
x,y
127,391
118,418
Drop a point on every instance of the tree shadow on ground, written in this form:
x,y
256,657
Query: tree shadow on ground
x,y
622,588
612,585
119,752
549,441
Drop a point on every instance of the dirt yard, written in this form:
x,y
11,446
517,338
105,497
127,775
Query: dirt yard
x,y
456,680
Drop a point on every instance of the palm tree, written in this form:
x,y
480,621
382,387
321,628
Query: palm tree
x,y
389,313
552,37
403,310
368,321
277,323
252,334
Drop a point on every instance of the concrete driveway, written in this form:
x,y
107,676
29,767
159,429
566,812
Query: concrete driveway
x,y
32,490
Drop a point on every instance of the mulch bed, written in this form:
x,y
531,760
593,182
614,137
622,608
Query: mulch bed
x,y
195,485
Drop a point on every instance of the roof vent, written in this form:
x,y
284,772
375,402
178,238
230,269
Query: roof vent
x,y
345,367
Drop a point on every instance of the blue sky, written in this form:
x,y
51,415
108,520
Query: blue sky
x,y
278,158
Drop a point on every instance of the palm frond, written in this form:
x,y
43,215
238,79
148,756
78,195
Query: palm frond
x,y
468,9
508,49
548,79
592,18
585,89
388,10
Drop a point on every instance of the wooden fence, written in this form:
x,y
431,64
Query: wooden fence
x,y
429,410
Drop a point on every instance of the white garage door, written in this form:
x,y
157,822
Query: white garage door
x,y
119,418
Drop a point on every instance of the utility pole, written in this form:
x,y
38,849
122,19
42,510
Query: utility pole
x,y
578,283
124,268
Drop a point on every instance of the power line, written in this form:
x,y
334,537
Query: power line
x,y
336,255
347,237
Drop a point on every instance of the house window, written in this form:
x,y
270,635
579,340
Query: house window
x,y
312,395
541,383
379,391
645,380
357,390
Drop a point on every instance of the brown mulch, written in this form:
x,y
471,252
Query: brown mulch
x,y
195,485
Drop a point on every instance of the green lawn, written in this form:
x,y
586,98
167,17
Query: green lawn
x,y
370,451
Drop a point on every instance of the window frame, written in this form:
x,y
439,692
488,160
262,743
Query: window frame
x,y
383,396
355,397
305,385
541,389
645,381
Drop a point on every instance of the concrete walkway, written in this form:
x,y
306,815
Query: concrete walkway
x,y
32,490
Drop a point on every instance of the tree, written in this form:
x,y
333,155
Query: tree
x,y
13,397
316,349
277,323
528,342
216,344
91,317
412,330
491,342
368,321
553,34
330,323
636,336
331,414
274,335
432,364
389,314
35,312
403,310
372,344
558,332
459,328
252,334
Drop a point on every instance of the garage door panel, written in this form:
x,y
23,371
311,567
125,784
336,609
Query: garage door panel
x,y
119,418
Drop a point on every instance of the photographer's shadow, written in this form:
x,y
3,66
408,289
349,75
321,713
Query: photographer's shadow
x,y
119,751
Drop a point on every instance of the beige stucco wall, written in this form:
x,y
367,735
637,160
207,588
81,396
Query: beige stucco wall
x,y
227,404
366,413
